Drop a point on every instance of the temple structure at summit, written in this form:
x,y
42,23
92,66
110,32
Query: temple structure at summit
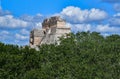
x,y
52,29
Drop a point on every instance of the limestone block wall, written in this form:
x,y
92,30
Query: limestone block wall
x,y
37,40
52,29
49,39
61,24
36,36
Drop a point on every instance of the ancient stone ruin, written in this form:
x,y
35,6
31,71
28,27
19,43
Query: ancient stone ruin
x,y
52,29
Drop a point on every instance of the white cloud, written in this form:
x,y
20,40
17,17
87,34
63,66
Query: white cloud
x,y
80,27
19,42
76,15
38,25
24,31
4,32
68,25
4,35
98,28
21,37
17,27
115,20
79,20
34,21
117,7
6,12
10,21
37,18
116,15
107,28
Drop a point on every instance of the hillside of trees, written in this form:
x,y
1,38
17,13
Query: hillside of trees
x,y
83,55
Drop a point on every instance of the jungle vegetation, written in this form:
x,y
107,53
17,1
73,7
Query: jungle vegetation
x,y
84,55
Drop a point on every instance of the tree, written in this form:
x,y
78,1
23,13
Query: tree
x,y
84,55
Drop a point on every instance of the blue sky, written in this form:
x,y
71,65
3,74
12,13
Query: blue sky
x,y
18,17
46,7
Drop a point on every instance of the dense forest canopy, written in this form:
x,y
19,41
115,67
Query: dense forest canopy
x,y
83,55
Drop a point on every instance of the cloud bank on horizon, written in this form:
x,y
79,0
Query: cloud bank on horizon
x,y
15,29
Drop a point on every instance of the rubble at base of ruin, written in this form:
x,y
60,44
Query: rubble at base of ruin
x,y
52,29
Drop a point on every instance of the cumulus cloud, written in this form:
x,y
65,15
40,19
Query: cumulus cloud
x,y
107,28
79,20
115,20
117,7
80,27
116,15
36,18
102,28
24,32
34,21
6,12
21,37
17,27
10,37
4,35
11,22
116,4
19,42
4,32
76,15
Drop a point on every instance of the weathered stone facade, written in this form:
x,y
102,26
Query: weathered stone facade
x,y
52,29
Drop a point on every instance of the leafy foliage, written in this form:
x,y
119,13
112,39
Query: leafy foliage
x,y
83,55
